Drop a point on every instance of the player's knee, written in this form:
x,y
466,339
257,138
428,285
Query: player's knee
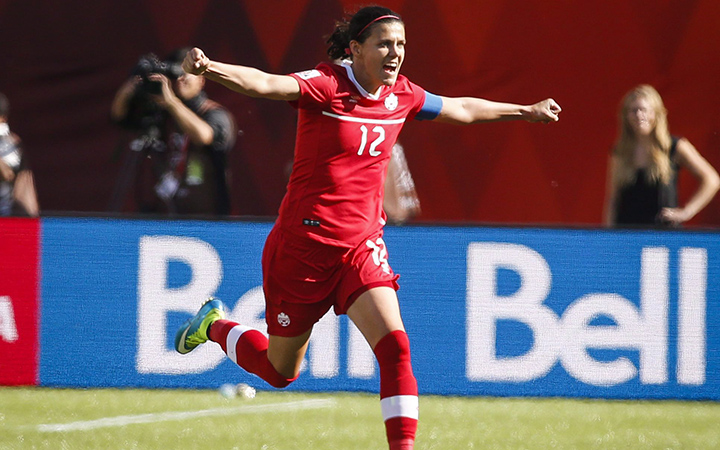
x,y
284,375
393,348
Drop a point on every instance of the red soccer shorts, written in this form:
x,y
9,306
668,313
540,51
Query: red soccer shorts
x,y
303,279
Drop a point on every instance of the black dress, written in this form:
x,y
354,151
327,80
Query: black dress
x,y
639,203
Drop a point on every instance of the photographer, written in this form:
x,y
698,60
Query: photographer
x,y
17,186
178,162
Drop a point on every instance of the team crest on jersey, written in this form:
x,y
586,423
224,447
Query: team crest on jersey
x,y
306,75
391,102
283,319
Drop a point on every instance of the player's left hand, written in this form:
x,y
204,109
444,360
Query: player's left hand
x,y
545,111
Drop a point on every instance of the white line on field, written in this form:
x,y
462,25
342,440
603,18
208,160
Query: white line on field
x,y
120,421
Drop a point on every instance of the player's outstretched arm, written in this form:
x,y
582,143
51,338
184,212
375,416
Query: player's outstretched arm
x,y
245,80
467,110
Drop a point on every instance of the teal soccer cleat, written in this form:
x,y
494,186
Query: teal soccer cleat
x,y
194,331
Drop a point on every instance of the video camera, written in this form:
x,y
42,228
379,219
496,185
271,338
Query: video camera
x,y
150,64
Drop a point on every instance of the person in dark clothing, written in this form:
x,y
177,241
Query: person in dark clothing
x,y
186,136
642,176
17,185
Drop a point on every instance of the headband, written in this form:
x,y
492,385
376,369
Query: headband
x,y
389,16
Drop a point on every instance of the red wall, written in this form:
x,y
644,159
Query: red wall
x,y
61,68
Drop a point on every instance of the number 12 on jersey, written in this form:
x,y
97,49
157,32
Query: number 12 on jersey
x,y
380,131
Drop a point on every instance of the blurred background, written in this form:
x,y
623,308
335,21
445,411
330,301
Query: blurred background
x,y
63,62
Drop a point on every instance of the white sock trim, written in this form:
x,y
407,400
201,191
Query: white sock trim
x,y
399,406
232,338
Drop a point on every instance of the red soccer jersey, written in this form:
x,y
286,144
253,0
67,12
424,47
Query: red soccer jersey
x,y
342,149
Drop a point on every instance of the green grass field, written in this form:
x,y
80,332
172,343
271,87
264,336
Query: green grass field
x,y
42,418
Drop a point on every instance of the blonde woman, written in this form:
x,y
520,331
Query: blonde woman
x,y
642,176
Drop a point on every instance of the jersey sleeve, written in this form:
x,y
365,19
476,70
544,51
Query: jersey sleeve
x,y
316,87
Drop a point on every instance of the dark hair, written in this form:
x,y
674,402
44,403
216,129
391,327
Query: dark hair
x,y
356,29
4,106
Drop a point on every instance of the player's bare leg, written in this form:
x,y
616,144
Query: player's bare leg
x,y
376,313
287,353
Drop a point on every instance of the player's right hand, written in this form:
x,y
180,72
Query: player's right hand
x,y
195,62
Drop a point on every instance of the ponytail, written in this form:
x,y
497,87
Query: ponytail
x,y
339,41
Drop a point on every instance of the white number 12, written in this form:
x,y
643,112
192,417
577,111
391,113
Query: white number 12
x,y
363,141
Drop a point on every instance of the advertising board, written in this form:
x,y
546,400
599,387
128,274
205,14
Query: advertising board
x,y
19,283
489,311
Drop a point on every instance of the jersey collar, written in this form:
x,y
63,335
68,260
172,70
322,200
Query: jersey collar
x,y
347,64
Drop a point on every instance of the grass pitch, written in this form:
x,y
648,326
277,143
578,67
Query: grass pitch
x,y
43,418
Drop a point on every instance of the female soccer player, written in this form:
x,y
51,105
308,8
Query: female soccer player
x,y
326,248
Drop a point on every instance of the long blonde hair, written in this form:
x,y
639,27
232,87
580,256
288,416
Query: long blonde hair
x,y
660,167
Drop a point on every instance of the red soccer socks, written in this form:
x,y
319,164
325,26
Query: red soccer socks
x,y
247,347
398,390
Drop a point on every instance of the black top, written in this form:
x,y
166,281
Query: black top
x,y
640,202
